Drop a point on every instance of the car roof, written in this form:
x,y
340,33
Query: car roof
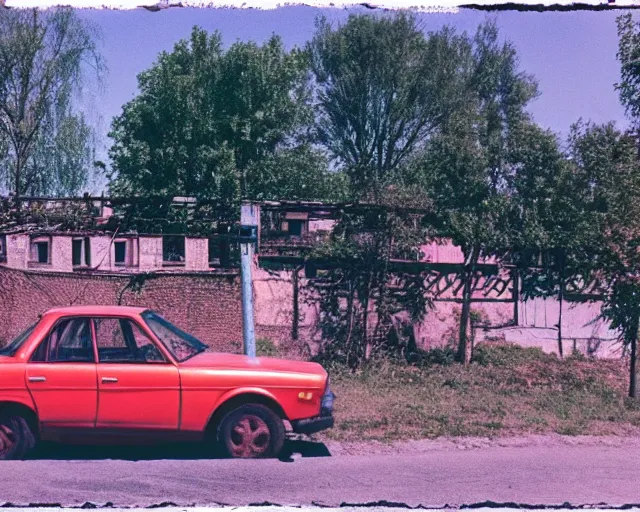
x,y
95,310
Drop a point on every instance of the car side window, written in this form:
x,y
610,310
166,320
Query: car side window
x,y
69,341
122,341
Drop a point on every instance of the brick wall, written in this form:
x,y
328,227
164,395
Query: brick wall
x,y
208,306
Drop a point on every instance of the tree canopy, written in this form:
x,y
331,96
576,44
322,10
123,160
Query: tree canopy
x,y
45,56
217,124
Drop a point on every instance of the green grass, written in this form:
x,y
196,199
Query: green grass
x,y
507,390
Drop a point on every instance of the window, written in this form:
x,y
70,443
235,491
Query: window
x,y
122,341
120,249
3,248
77,253
215,251
223,253
69,341
173,249
181,345
13,347
87,252
296,227
81,252
40,250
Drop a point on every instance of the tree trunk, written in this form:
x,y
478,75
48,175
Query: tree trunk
x,y
295,320
18,176
634,355
365,328
464,345
560,301
560,297
463,355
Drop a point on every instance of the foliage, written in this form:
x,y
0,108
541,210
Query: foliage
x,y
509,355
296,173
383,88
44,56
628,55
365,292
469,166
206,120
266,348
606,192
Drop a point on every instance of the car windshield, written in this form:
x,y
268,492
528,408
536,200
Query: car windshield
x,y
11,349
181,345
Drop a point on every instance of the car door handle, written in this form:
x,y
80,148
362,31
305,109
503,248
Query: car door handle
x,y
37,379
109,380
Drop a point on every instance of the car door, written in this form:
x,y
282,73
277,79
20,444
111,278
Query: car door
x,y
62,375
137,387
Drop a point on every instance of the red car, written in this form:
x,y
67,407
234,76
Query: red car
x,y
107,373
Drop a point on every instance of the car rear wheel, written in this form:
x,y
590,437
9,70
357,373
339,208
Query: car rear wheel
x,y
251,431
16,437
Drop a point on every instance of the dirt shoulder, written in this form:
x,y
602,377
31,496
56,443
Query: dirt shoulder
x,y
630,440
507,395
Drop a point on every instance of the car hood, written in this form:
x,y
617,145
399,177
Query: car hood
x,y
216,360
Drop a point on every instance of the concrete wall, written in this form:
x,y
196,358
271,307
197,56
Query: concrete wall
x,y
146,253
196,254
17,251
150,253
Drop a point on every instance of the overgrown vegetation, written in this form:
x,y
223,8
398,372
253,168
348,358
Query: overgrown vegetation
x,y
506,390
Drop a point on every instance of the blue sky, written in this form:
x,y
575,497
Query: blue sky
x,y
572,54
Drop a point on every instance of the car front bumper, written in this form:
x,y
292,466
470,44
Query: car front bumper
x,y
312,425
318,423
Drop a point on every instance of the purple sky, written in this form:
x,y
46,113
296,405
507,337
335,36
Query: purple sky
x,y
571,54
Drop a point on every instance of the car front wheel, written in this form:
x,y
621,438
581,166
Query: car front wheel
x,y
16,437
251,431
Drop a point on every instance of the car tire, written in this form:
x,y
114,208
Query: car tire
x,y
16,436
251,431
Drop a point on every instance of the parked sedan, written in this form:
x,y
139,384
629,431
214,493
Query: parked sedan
x,y
115,373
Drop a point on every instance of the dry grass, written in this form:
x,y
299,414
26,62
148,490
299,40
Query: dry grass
x,y
506,391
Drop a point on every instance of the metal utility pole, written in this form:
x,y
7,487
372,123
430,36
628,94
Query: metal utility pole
x,y
249,221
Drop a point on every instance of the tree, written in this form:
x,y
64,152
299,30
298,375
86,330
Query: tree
x,y
205,119
382,90
300,173
468,167
549,230
606,185
44,58
620,198
366,291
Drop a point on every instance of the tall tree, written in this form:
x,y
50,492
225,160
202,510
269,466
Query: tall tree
x,y
469,166
383,89
546,218
625,310
606,186
44,58
205,117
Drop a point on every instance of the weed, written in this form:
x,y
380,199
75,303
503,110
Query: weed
x,y
266,348
507,390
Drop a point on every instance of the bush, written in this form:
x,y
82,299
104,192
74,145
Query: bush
x,y
508,355
266,348
438,356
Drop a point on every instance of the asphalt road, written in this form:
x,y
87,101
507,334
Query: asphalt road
x,y
533,475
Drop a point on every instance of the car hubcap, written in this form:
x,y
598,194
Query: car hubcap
x,y
250,437
8,440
